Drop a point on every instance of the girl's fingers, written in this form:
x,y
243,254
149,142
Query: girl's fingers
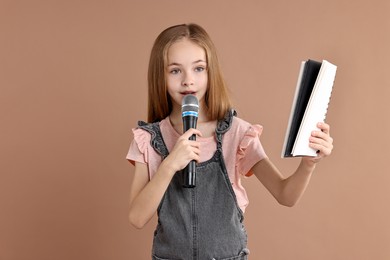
x,y
321,140
324,127
190,132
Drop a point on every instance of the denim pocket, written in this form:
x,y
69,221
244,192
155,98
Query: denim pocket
x,y
154,257
243,255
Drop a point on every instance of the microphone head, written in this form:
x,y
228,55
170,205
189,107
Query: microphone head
x,y
190,106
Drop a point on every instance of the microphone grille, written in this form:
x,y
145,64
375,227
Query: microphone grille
x,y
190,103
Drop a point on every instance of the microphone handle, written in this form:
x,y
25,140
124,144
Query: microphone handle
x,y
189,172
189,175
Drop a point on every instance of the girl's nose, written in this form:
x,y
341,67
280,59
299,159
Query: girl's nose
x,y
187,80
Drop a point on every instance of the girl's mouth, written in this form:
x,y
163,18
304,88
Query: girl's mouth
x,y
188,93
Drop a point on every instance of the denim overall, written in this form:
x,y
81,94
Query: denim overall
x,y
201,223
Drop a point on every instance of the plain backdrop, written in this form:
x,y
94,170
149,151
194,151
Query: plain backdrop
x,y
73,85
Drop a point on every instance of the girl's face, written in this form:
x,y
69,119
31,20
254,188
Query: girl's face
x,y
186,72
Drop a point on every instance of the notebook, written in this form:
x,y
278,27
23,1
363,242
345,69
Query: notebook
x,y
310,105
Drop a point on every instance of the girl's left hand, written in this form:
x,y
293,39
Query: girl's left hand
x,y
321,141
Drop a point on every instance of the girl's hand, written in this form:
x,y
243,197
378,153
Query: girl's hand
x,y
184,151
321,141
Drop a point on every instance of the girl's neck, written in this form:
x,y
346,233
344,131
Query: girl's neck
x,y
204,124
176,116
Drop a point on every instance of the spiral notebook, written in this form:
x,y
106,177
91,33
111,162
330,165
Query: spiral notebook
x,y
310,104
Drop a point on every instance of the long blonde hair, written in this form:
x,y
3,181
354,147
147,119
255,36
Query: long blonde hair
x,y
159,103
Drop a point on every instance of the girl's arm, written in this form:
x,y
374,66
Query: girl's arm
x,y
145,195
287,191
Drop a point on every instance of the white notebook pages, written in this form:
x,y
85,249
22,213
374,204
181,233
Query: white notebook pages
x,y
310,105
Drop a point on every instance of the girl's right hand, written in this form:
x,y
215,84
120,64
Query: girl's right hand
x,y
184,151
145,194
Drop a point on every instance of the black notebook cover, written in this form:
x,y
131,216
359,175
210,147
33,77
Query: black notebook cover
x,y
309,77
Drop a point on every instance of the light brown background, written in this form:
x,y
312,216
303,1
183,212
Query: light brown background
x,y
73,84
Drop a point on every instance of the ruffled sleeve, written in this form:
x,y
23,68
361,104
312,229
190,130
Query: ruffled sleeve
x,y
138,151
250,151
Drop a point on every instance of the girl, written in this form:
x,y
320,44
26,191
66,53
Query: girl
x,y
205,222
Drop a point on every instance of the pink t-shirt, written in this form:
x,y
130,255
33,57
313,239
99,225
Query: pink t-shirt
x,y
241,147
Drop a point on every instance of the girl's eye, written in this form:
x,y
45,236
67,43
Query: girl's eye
x,y
175,71
199,69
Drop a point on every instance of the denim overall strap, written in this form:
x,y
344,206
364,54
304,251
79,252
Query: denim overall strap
x,y
156,141
205,222
223,126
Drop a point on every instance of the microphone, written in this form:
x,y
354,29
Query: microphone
x,y
190,109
